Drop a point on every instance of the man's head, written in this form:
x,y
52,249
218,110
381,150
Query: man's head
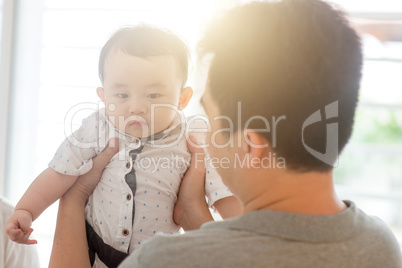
x,y
290,58
141,67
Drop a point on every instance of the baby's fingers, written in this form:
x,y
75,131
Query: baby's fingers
x,y
27,240
18,236
15,234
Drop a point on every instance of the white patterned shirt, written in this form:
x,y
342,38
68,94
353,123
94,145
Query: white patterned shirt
x,y
159,168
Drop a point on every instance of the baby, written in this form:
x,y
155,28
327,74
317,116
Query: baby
x,y
143,72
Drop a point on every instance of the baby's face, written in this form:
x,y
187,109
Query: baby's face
x,y
141,95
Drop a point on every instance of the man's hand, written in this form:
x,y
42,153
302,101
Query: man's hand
x,y
85,184
191,210
18,227
70,248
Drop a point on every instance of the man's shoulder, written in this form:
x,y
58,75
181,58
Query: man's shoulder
x,y
372,226
378,234
374,237
178,250
241,242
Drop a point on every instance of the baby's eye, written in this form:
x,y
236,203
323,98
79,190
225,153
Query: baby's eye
x,y
122,95
153,95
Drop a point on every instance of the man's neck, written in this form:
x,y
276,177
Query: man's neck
x,y
310,193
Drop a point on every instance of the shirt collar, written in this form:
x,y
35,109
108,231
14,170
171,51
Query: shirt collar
x,y
300,227
178,120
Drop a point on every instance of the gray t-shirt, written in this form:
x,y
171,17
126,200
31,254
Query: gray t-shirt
x,y
277,239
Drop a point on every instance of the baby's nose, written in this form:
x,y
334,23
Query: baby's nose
x,y
137,106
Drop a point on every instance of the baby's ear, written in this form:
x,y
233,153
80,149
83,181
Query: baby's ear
x,y
101,95
185,97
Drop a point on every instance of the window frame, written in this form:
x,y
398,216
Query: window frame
x,y
6,56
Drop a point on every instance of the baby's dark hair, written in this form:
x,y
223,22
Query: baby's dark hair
x,y
146,41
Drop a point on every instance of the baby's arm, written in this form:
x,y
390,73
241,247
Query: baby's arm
x,y
44,191
228,207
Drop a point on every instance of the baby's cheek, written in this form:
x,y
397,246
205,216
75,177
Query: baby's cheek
x,y
113,118
163,118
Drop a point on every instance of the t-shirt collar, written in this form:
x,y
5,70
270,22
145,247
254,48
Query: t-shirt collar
x,y
300,227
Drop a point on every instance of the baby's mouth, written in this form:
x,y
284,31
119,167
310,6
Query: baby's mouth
x,y
137,123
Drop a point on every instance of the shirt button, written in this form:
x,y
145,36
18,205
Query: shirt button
x,y
129,197
125,232
128,165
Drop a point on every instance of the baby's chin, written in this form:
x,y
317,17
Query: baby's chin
x,y
143,129
137,131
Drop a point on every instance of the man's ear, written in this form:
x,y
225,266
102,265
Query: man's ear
x,y
185,97
101,94
255,144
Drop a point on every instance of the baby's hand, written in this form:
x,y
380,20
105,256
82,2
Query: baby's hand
x,y
18,227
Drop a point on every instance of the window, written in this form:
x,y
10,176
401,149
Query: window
x,y
3,100
370,170
5,48
1,18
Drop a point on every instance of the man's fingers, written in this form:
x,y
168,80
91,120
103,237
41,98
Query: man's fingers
x,y
192,194
101,161
87,182
193,146
197,163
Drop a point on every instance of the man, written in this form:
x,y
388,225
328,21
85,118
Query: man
x,y
284,81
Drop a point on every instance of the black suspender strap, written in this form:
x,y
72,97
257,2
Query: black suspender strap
x,y
110,256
